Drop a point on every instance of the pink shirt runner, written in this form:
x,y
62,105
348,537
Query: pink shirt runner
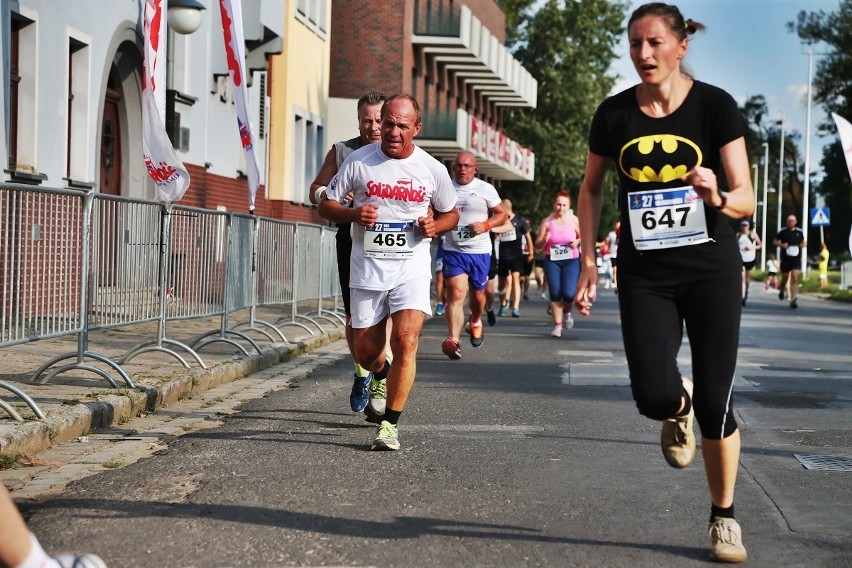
x,y
562,234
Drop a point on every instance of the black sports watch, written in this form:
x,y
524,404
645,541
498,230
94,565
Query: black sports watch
x,y
724,196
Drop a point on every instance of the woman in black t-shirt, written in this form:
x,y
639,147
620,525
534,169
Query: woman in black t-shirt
x,y
678,260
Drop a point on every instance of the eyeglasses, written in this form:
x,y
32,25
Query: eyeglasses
x,y
464,166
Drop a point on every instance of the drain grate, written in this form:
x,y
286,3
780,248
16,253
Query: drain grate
x,y
825,463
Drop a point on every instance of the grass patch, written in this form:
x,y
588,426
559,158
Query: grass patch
x,y
185,395
9,462
112,464
124,418
811,285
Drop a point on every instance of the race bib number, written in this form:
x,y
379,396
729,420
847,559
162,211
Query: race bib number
x,y
389,240
463,234
667,218
561,252
509,237
792,250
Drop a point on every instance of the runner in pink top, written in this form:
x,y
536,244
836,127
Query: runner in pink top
x,y
559,235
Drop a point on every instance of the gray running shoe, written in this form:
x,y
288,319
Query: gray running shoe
x,y
375,408
387,437
677,438
726,540
85,561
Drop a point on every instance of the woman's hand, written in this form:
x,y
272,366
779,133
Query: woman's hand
x,y
587,289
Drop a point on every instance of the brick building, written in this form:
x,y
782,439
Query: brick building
x,y
450,55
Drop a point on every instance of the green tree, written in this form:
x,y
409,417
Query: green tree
x,y
568,47
833,91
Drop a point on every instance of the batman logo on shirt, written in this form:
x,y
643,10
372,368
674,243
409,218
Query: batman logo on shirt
x,y
658,158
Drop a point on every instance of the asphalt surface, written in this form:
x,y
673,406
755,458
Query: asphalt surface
x,y
527,452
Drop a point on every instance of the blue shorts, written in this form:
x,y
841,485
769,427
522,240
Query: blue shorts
x,y
475,265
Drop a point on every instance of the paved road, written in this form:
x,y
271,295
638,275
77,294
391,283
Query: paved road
x,y
527,452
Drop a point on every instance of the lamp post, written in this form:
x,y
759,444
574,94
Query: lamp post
x,y
780,181
810,55
754,186
763,216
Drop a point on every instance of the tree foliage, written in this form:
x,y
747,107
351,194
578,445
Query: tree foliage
x,y
833,91
568,47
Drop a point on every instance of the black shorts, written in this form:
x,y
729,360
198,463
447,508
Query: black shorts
x,y
612,260
790,263
492,268
528,266
344,251
750,264
506,265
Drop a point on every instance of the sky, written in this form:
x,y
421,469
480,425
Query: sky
x,y
747,50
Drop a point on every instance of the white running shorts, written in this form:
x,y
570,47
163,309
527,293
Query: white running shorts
x,y
370,307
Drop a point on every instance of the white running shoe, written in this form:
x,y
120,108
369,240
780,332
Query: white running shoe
x,y
557,331
569,321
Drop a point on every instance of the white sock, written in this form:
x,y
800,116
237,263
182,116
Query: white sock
x,y
37,557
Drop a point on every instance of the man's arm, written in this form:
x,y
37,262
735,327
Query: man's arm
x,y
440,223
324,176
498,217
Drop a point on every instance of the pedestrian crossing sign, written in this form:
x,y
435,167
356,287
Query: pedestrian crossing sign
x,y
820,217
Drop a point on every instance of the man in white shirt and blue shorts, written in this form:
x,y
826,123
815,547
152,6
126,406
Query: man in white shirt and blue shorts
x,y
467,252
394,184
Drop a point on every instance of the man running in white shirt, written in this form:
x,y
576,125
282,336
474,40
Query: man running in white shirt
x,y
467,252
393,184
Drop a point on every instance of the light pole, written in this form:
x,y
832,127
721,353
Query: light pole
x,y
754,186
763,216
810,55
780,182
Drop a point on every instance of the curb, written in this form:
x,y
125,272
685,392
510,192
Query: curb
x,y
119,409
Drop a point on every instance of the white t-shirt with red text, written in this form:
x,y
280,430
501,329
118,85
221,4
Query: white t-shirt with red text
x,y
402,191
475,200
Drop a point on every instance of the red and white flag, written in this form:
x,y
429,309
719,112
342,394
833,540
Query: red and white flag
x,y
844,129
161,160
232,28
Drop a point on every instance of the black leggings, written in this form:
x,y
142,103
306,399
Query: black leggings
x,y
652,327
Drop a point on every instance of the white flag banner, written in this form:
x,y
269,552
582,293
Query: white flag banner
x,y
845,131
162,162
232,28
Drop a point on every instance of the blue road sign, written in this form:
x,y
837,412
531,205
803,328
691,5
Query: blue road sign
x,y
820,217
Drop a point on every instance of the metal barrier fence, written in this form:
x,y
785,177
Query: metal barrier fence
x,y
75,262
846,275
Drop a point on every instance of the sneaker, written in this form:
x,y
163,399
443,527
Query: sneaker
x,y
726,541
375,408
794,303
492,318
557,331
451,348
543,296
676,438
439,309
569,321
387,437
516,314
526,297
781,295
503,310
85,561
477,337
358,397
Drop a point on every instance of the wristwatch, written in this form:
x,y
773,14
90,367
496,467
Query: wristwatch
x,y
724,196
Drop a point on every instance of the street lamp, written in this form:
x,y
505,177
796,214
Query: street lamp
x,y
754,186
780,181
185,15
810,55
763,217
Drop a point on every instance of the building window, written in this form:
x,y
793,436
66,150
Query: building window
x,y
314,14
77,151
307,153
22,97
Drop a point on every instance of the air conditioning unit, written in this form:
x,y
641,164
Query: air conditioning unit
x,y
182,139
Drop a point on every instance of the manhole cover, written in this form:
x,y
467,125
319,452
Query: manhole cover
x,y
825,463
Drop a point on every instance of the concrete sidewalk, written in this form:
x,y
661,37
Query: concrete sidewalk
x,y
78,401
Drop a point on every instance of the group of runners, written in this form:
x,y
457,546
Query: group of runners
x,y
678,259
